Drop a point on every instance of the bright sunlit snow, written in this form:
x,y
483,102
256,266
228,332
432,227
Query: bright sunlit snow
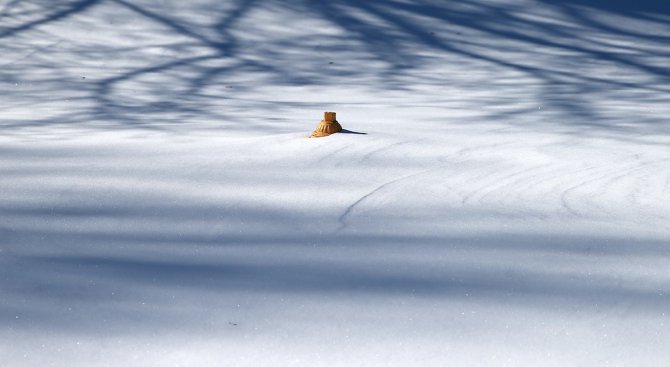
x,y
501,196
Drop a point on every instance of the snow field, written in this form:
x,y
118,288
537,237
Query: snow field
x,y
501,197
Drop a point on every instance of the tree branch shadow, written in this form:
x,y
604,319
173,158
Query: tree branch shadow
x,y
558,59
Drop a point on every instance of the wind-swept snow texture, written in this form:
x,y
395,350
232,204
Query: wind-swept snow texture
x,y
502,197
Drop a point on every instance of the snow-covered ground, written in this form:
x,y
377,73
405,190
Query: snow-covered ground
x,y
502,197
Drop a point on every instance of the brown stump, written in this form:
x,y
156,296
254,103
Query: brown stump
x,y
327,126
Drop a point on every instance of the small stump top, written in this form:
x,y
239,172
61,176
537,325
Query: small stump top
x,y
327,126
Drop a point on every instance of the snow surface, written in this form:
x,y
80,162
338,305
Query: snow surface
x,y
502,196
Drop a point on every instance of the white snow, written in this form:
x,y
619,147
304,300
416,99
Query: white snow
x,y
502,198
